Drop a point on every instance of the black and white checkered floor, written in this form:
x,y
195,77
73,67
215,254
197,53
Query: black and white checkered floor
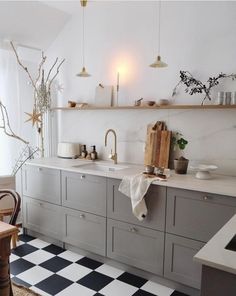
x,y
50,270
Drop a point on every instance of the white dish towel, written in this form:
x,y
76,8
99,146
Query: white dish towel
x,y
135,187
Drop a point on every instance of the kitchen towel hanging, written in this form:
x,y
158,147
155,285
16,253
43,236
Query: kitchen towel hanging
x,y
135,187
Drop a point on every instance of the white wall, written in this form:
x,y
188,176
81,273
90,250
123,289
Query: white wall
x,y
196,36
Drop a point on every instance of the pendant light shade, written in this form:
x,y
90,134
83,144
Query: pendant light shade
x,y
83,72
158,63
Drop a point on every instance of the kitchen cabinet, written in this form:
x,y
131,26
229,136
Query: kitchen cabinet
x,y
179,265
42,183
134,245
192,218
84,230
42,217
197,215
119,206
84,192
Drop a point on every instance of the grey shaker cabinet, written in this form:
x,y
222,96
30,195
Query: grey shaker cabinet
x,y
135,245
119,206
84,192
197,215
42,217
42,183
179,264
84,230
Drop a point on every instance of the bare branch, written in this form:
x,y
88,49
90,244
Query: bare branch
x,y
50,83
51,69
40,67
6,124
25,68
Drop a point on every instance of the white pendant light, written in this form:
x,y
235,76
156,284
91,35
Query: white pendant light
x,y
158,62
83,72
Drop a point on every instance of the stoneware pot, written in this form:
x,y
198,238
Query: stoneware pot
x,y
181,165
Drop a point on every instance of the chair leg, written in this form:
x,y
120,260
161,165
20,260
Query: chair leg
x,y
14,239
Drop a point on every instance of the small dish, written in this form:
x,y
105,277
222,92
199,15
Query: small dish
x,y
148,103
203,171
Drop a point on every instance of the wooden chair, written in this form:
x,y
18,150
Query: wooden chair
x,y
13,212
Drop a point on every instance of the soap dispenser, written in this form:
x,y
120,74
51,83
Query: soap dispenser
x,y
84,151
94,154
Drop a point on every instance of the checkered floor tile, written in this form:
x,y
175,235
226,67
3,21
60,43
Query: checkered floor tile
x,y
51,270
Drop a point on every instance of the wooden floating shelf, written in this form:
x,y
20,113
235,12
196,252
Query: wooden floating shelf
x,y
163,107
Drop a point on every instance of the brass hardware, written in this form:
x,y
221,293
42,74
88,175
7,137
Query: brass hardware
x,y
205,198
82,177
132,229
112,156
82,216
83,3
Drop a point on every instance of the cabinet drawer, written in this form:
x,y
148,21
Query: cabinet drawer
x,y
42,183
119,206
84,192
135,245
42,217
197,215
84,230
179,264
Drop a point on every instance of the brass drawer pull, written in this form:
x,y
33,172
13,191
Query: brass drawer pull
x,y
132,229
82,177
82,216
206,197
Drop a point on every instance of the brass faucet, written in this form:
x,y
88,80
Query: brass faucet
x,y
112,156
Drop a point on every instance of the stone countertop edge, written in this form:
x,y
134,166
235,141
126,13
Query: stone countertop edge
x,y
219,184
214,254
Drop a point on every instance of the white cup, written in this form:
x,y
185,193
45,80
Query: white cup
x,y
220,98
233,101
228,96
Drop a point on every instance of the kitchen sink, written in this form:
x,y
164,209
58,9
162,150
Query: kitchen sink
x,y
100,167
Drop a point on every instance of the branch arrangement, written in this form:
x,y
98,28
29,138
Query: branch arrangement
x,y
41,86
194,86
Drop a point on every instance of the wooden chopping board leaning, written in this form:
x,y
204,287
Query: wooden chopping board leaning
x,y
158,143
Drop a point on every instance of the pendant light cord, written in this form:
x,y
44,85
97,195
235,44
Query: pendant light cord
x,y
83,39
159,28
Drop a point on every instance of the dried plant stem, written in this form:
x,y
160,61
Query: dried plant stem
x,y
57,72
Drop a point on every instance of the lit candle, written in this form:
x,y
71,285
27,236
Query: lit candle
x,y
118,81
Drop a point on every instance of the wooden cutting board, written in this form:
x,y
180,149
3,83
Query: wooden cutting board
x,y
164,149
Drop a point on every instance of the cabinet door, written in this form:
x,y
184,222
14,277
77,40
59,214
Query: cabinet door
x,y
135,245
42,217
42,183
119,206
84,230
84,192
197,215
179,264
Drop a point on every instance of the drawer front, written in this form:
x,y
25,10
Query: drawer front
x,y
179,264
197,215
42,217
84,192
42,183
86,231
135,245
119,206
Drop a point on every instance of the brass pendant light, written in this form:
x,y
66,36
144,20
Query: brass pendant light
x,y
158,62
83,72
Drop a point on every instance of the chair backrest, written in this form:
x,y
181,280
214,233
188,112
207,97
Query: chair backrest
x,y
17,202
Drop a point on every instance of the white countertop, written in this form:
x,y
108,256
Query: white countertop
x,y
219,184
214,253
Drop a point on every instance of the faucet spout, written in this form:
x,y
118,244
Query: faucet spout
x,y
112,156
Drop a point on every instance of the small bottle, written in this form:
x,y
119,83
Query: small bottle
x,y
94,154
84,151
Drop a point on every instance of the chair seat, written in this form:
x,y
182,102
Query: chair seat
x,y
5,212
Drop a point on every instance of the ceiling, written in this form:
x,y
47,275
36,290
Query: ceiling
x,y
32,23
